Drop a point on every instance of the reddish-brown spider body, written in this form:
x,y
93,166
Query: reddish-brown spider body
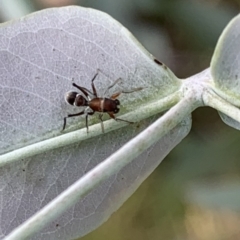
x,y
95,103
104,105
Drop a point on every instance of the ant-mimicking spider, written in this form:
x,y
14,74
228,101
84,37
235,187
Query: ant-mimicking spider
x,y
95,104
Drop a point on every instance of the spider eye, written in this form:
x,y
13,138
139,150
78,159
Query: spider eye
x,y
117,102
116,110
70,97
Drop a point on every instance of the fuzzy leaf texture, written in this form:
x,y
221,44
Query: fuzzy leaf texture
x,y
40,56
225,68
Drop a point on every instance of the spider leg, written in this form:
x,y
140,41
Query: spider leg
x,y
118,119
133,90
69,116
93,86
83,90
117,94
112,85
88,113
101,120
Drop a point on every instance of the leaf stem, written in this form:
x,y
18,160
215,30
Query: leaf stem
x,y
211,99
105,169
95,130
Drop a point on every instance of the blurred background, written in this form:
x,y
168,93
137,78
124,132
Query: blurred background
x,y
195,193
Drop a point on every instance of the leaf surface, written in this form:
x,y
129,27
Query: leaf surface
x,y
41,55
225,67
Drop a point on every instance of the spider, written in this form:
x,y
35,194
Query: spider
x,y
95,103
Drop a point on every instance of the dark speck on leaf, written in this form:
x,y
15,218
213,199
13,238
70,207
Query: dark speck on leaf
x,y
158,62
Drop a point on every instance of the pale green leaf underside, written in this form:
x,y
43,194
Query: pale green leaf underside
x,y
40,56
225,68
44,52
225,65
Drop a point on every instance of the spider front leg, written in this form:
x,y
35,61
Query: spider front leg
x,y
118,119
117,94
70,115
112,85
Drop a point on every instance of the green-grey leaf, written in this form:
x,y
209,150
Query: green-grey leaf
x,y
225,67
225,64
40,56
44,52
